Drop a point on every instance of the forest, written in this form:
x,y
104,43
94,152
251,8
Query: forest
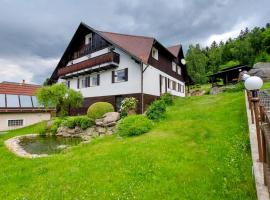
x,y
250,47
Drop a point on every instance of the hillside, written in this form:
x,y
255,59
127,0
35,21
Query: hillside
x,y
200,151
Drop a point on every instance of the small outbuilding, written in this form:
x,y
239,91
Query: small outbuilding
x,y
229,75
19,106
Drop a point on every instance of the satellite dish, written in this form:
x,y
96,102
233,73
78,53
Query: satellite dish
x,y
183,61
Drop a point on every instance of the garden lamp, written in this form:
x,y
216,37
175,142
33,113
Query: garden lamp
x,y
253,84
245,77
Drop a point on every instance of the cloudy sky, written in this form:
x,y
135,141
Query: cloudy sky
x,y
34,33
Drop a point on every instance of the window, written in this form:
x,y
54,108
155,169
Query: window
x,y
17,122
174,85
174,66
120,75
2,100
179,70
83,85
12,101
68,84
26,101
88,39
95,80
155,53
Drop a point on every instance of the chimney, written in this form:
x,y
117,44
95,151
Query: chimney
x,y
23,82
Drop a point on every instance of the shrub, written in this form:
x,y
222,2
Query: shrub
x,y
128,104
134,125
167,98
97,110
81,121
235,88
156,110
42,129
85,122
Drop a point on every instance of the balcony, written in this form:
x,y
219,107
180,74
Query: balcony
x,y
87,49
95,64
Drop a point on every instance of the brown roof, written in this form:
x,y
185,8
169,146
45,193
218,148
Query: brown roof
x,y
174,49
18,88
139,46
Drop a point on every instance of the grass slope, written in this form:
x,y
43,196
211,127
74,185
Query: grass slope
x,y
200,151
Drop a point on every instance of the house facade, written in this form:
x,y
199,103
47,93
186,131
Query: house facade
x,y
19,106
107,66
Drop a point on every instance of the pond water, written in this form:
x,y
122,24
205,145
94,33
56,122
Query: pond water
x,y
47,144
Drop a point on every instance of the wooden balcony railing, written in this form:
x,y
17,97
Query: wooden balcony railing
x,y
87,49
95,61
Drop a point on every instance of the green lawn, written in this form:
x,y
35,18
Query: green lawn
x,y
200,151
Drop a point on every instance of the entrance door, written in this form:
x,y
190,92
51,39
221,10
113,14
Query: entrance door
x,y
118,101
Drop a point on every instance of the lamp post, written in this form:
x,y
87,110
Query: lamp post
x,y
253,84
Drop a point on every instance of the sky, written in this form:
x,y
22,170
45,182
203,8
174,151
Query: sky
x,y
35,33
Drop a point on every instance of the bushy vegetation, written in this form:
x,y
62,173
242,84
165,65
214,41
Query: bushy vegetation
x,y
167,98
59,96
97,110
127,105
134,125
251,46
156,110
235,88
83,122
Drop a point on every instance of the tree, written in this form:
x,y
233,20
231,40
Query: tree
x,y
196,64
59,96
46,82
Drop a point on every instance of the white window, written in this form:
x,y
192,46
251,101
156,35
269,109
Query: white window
x,y
88,39
83,85
68,84
174,66
94,80
179,70
120,75
17,122
155,53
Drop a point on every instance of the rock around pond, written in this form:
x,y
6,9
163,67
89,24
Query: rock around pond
x,y
33,146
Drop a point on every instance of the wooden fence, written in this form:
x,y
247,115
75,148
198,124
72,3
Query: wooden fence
x,y
260,114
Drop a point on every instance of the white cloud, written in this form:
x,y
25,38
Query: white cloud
x,y
32,69
234,32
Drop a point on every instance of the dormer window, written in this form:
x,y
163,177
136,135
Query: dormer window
x,y
155,53
88,39
179,70
174,66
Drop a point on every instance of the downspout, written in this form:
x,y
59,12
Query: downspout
x,y
142,99
142,94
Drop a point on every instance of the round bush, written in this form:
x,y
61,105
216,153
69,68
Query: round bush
x,y
134,125
156,110
97,110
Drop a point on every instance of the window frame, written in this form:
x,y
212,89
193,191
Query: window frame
x,y
179,70
154,53
88,39
174,66
15,122
115,76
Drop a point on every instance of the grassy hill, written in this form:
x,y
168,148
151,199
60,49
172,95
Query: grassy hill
x,y
200,151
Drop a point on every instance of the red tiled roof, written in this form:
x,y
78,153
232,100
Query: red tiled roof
x,y
18,88
139,46
174,49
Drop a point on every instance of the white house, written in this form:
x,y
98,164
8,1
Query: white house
x,y
107,66
19,106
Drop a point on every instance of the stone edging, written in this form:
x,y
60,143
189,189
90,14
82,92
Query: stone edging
x,y
13,145
262,191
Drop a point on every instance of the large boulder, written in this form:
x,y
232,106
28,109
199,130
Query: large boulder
x,y
261,69
108,119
